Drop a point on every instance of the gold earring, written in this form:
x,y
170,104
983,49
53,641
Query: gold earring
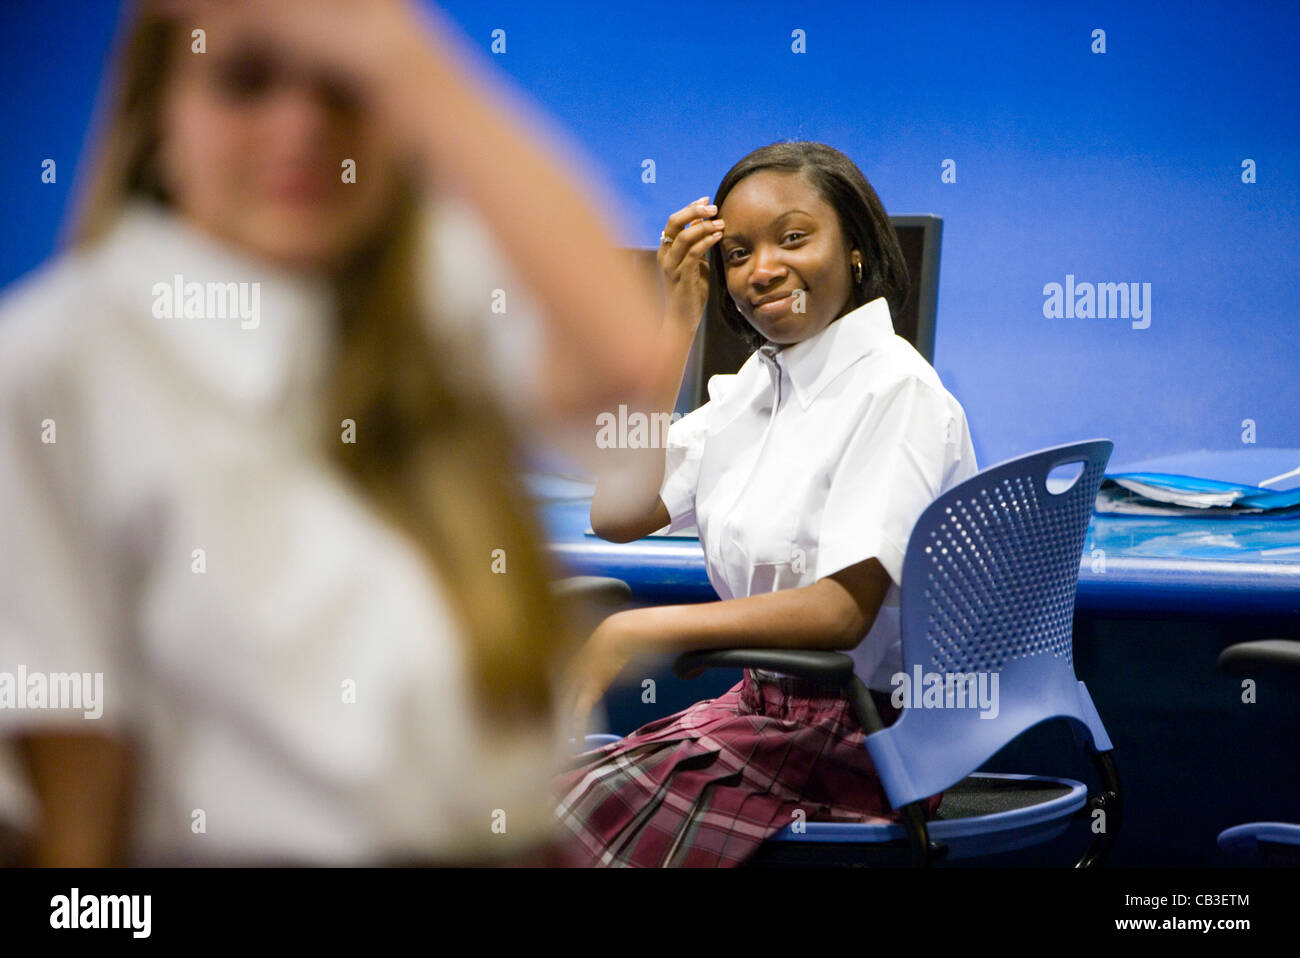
x,y
857,273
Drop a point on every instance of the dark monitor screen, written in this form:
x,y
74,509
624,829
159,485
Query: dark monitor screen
x,y
719,350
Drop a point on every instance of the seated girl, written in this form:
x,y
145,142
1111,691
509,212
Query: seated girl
x,y
805,473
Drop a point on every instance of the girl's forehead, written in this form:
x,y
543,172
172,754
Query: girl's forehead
x,y
770,193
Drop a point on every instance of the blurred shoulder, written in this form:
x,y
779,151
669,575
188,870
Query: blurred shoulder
x,y
47,318
478,306
464,257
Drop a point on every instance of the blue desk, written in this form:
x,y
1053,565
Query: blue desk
x,y
1130,564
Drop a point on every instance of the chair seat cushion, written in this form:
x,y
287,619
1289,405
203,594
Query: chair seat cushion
x,y
990,813
983,795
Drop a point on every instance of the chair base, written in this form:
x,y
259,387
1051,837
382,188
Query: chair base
x,y
1268,844
984,814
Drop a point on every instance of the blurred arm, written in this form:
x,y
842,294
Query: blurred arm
x,y
626,505
529,192
81,783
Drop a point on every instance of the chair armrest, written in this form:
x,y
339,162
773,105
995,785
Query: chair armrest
x,y
1245,658
834,667
598,590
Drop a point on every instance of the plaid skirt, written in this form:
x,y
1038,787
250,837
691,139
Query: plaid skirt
x,y
707,786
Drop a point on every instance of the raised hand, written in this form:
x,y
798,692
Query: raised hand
x,y
683,259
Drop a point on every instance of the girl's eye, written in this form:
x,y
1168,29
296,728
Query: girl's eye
x,y
792,235
246,76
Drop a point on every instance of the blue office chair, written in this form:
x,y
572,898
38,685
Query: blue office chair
x,y
1262,843
988,587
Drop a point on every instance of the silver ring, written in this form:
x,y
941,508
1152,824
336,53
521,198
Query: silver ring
x,y
664,238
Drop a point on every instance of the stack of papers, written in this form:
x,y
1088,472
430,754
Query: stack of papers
x,y
1167,494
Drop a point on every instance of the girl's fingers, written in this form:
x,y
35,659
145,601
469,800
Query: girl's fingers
x,y
677,222
693,211
686,241
701,246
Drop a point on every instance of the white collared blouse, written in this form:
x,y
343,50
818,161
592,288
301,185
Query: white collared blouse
x,y
293,676
815,457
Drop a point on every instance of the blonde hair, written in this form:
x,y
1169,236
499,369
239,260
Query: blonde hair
x,y
439,462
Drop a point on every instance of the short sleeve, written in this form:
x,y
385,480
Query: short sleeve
x,y
912,444
476,301
682,454
684,447
60,652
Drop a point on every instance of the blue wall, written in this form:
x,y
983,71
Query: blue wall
x,y
1115,167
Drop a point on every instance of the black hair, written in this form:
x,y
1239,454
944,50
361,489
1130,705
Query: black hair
x,y
863,224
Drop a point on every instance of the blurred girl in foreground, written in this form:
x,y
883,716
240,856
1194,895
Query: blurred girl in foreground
x,y
282,517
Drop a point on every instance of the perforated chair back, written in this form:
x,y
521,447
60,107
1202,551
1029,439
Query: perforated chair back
x,y
988,595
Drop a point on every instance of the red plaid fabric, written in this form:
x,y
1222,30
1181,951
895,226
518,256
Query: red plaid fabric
x,y
707,786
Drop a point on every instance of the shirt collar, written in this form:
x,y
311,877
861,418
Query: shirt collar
x,y
813,363
252,349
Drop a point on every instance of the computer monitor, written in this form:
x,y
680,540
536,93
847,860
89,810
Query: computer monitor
x,y
719,350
